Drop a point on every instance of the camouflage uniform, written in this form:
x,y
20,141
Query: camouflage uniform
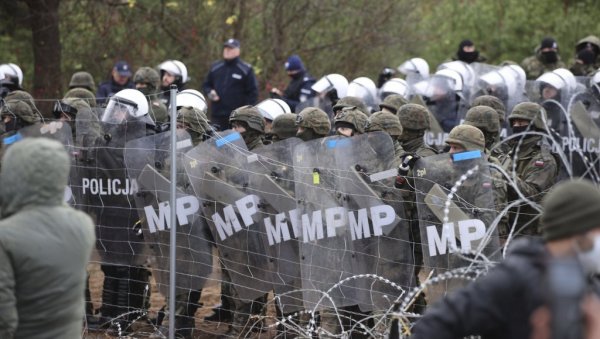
x,y
486,119
534,66
22,116
18,95
254,124
315,123
195,123
415,120
156,108
283,127
392,103
536,168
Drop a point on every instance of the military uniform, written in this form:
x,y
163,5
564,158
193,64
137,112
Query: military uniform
x,y
592,43
535,167
150,77
284,126
535,65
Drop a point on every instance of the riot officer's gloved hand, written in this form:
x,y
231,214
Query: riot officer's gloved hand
x,y
385,75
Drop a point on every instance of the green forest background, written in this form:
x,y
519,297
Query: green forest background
x,y
51,39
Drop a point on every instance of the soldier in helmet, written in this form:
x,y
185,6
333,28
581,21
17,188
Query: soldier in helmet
x,y
312,123
388,123
17,114
493,102
586,60
82,93
350,121
486,119
350,101
147,81
20,95
415,120
195,122
284,127
392,103
83,80
532,166
546,59
248,121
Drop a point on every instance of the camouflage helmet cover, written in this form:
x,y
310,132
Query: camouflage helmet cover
x,y
469,137
350,101
315,119
284,126
530,111
21,110
83,79
148,76
413,117
31,116
393,102
483,117
250,115
82,93
384,121
194,118
353,116
493,102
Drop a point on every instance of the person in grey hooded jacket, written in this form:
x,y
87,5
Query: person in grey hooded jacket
x,y
45,245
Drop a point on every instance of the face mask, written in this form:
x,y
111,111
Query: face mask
x,y
519,129
590,260
468,57
550,57
146,91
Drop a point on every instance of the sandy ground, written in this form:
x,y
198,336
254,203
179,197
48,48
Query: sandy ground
x,y
210,297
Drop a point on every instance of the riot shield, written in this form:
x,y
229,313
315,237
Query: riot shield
x,y
218,172
442,100
580,143
272,179
106,191
377,226
326,253
55,130
455,205
148,162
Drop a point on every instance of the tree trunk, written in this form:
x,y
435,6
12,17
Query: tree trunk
x,y
47,77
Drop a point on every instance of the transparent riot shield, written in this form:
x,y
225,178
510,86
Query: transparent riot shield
x,y
148,162
271,178
442,100
218,172
377,226
456,212
581,143
326,252
106,191
55,130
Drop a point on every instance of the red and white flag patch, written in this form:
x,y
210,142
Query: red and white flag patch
x,y
539,163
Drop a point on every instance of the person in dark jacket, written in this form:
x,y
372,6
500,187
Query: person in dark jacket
x,y
299,88
45,245
230,84
120,78
500,304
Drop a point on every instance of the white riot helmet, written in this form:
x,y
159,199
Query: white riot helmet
x,y
176,68
331,82
415,65
12,72
272,108
363,88
191,98
444,82
462,68
561,79
394,86
595,85
127,105
511,76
